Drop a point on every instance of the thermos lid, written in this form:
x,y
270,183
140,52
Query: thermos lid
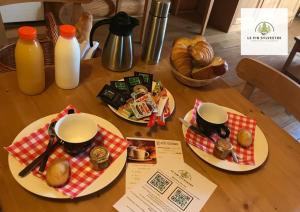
x,y
122,24
160,8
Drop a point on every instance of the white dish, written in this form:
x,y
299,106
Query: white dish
x,y
76,128
260,149
40,187
171,106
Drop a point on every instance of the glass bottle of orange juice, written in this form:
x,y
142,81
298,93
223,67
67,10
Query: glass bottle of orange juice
x,y
29,59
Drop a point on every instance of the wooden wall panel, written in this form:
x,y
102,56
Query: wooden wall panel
x,y
222,14
293,7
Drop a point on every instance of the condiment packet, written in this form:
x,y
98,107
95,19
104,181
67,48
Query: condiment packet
x,y
111,96
133,81
122,87
140,109
126,110
147,98
148,78
161,105
138,91
157,88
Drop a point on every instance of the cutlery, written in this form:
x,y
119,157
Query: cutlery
x,y
38,160
202,132
196,129
51,140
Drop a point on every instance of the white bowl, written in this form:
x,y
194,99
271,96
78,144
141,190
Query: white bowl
x,y
76,128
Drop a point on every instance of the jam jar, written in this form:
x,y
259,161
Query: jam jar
x,y
99,157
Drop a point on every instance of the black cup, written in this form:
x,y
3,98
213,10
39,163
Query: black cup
x,y
74,149
77,131
211,118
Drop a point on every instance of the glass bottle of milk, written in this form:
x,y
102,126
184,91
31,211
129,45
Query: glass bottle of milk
x,y
67,58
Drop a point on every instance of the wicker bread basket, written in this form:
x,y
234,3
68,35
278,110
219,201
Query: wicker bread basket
x,y
7,53
190,81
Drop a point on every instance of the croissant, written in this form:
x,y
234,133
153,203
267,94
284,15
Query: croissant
x,y
180,56
181,59
188,42
202,53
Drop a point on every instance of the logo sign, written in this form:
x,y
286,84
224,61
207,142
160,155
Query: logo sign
x,y
264,28
184,174
264,31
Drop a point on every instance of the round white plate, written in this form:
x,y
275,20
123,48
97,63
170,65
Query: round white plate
x,y
140,160
171,105
260,149
40,187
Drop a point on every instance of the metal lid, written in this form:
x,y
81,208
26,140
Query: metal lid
x,y
160,8
99,154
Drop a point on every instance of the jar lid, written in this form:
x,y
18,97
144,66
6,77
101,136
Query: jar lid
x,y
99,154
67,31
27,32
160,8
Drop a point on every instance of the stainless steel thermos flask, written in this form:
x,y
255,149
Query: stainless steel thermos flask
x,y
155,31
117,52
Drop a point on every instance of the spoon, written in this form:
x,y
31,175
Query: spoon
x,y
51,140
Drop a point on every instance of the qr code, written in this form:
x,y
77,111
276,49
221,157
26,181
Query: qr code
x,y
180,198
159,182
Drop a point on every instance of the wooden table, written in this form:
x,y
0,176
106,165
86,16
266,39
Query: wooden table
x,y
275,186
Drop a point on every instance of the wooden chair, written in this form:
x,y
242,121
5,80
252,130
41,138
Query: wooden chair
x,y
271,81
290,58
3,39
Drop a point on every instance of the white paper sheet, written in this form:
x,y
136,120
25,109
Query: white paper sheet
x,y
175,189
161,152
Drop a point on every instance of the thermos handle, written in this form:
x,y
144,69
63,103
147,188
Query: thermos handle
x,y
95,26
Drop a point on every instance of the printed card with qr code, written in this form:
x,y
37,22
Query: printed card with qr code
x,y
159,182
180,198
175,188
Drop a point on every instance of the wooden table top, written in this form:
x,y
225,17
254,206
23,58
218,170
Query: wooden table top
x,y
275,186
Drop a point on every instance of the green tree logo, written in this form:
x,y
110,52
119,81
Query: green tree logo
x,y
264,28
184,174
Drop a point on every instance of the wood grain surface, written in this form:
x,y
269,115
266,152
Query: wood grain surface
x,y
275,186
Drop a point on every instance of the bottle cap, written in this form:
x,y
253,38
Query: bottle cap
x,y
27,33
160,8
67,31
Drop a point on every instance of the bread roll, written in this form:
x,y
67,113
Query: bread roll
x,y
202,53
244,138
58,173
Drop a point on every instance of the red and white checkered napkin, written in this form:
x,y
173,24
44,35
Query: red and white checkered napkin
x,y
235,123
82,175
